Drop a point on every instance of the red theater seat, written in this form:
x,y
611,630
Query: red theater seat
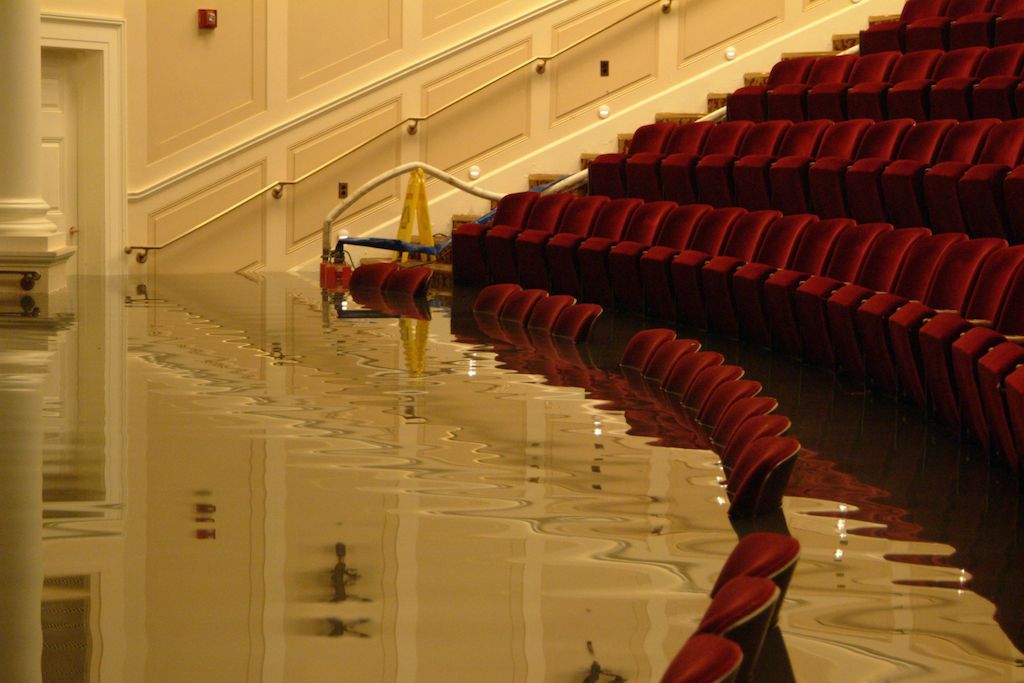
x,y
687,281
493,298
592,254
607,173
828,100
890,35
968,197
678,171
715,171
686,369
988,92
575,322
741,611
978,29
789,101
372,275
749,103
863,179
411,281
520,305
547,310
561,248
993,368
932,33
760,475
664,360
706,382
642,346
868,100
910,98
578,219
643,169
789,185
737,414
753,428
778,250
651,267
1010,28
722,398
903,179
499,241
469,265
705,658
750,172
826,176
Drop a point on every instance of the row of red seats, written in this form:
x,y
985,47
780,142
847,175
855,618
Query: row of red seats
x,y
534,309
950,176
968,83
753,274
947,24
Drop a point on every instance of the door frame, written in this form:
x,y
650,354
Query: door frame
x,y
101,41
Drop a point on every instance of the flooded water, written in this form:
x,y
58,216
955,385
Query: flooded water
x,y
222,479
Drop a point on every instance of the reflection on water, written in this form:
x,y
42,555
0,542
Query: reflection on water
x,y
237,482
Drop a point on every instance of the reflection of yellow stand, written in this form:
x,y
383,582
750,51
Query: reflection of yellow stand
x,y
415,209
414,339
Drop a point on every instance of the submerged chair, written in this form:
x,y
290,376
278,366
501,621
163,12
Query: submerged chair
x,y
412,281
705,658
575,322
665,358
738,413
760,476
722,398
642,346
492,299
741,611
372,275
547,310
519,305
765,555
753,428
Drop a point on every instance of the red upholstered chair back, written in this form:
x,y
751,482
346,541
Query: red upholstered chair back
x,y
753,428
882,264
834,69
614,217
580,215
788,71
520,304
705,658
642,345
689,138
883,139
922,142
372,275
738,413
802,138
760,475
714,230
493,298
958,63
915,65
546,213
575,322
513,208
412,281
646,221
680,225
1004,60
1004,144
651,137
1011,316
722,398
920,9
919,265
764,138
742,611
726,138
958,270
961,8
993,283
873,68
547,310
747,233
781,239
665,358
842,138
763,554
706,381
817,243
852,248
964,142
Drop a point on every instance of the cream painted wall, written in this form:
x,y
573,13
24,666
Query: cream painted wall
x,y
282,86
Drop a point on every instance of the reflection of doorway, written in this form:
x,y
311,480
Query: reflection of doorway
x,y
59,130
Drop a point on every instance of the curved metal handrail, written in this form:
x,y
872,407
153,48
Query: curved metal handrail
x,y
411,125
340,208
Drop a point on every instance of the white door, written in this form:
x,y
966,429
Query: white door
x,y
59,126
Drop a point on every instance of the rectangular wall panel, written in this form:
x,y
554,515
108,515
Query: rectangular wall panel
x,y
310,200
199,82
630,48
485,122
706,25
229,244
329,38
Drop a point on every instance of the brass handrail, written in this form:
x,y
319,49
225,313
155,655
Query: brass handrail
x,y
411,124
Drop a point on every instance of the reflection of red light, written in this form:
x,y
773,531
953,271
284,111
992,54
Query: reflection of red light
x,y
203,534
206,508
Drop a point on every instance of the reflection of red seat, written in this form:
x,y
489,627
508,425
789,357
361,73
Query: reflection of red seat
x,y
372,275
765,555
492,298
412,281
760,475
741,611
705,658
642,346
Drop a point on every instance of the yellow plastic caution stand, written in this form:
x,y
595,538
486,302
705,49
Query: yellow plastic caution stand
x,y
415,210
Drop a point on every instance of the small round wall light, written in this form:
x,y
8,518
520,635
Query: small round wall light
x,y
474,172
730,53
603,111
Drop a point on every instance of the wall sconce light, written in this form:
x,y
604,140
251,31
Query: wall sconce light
x,y
474,172
730,53
603,111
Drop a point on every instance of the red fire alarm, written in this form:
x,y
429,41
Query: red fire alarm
x,y
207,18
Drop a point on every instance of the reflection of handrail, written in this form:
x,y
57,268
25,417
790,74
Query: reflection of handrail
x,y
411,124
369,186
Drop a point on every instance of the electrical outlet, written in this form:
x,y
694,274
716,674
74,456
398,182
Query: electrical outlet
x,y
604,67
342,190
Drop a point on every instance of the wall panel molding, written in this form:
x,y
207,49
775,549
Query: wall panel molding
x,y
706,26
439,15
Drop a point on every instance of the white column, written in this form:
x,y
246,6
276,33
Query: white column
x,y
27,237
